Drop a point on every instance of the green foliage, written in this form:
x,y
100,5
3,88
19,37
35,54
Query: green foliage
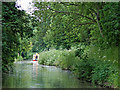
x,y
93,28
110,54
113,79
84,70
64,58
45,57
15,26
29,55
19,58
65,24
102,72
67,59
62,29
109,20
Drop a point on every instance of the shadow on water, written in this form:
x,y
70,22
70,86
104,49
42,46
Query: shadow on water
x,y
28,74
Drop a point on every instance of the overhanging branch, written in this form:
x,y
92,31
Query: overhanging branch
x,y
97,20
69,4
85,23
72,13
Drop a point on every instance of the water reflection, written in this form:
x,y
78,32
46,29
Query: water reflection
x,y
33,75
35,68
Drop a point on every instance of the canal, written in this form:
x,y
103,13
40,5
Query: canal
x,y
27,74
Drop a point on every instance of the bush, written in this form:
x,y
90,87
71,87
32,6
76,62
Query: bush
x,y
29,55
113,78
64,58
100,72
49,57
19,58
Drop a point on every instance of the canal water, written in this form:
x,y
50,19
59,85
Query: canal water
x,y
27,74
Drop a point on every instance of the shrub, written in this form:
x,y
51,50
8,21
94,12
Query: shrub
x,y
66,59
113,78
29,55
100,72
43,58
84,69
19,58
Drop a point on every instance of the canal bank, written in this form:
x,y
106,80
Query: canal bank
x,y
86,67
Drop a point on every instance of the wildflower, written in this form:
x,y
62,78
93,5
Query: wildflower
x,y
104,56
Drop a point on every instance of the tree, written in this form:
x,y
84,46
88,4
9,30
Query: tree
x,y
76,22
15,25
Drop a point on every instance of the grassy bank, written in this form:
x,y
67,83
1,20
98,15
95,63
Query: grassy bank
x,y
85,66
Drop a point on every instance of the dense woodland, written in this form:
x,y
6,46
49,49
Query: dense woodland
x,y
81,37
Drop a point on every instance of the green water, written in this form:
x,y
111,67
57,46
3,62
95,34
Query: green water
x,y
31,75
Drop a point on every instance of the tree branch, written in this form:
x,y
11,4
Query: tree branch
x,y
70,4
97,19
85,23
100,28
72,13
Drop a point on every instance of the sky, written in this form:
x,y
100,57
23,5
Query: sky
x,y
25,5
